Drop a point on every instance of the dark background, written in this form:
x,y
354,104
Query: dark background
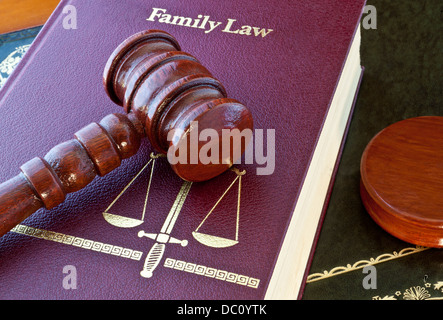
x,y
402,79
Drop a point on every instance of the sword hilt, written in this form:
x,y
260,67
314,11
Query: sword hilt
x,y
152,259
162,238
158,249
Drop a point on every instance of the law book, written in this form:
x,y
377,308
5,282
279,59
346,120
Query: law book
x,y
246,234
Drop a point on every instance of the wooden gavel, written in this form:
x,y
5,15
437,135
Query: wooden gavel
x,y
161,89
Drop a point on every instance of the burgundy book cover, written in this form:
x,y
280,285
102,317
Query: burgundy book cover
x,y
285,71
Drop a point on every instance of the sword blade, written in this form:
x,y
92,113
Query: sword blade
x,y
176,208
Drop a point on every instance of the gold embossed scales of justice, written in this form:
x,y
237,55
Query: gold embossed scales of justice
x,y
156,253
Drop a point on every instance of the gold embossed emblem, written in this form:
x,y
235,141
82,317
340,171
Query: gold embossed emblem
x,y
162,237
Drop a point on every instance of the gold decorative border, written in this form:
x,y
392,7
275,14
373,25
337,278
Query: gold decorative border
x,y
363,263
420,292
78,242
211,272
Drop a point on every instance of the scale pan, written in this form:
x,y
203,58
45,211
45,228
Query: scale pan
x,y
213,241
120,221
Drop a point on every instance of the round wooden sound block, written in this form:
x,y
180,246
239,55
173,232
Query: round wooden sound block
x,y
402,180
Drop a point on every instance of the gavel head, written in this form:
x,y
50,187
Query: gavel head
x,y
184,110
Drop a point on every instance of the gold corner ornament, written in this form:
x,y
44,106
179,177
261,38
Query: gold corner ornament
x,y
427,291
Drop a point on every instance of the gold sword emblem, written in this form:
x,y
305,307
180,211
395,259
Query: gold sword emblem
x,y
156,253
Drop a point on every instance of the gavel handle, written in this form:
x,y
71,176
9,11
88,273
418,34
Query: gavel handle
x,y
17,202
97,149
